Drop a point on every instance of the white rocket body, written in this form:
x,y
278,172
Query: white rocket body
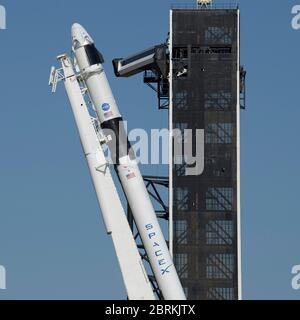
x,y
134,275
127,169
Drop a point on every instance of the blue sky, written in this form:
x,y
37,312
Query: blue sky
x,y
52,240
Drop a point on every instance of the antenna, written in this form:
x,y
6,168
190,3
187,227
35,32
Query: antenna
x,y
204,3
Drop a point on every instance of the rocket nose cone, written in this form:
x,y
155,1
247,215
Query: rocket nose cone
x,y
80,36
76,27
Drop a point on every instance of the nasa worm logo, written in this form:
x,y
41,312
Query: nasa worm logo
x,y
105,107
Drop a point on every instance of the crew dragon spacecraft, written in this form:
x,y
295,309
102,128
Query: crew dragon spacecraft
x,y
103,125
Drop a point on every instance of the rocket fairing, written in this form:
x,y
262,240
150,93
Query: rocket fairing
x,y
134,275
90,64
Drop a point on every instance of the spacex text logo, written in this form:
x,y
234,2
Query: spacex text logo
x,y
2,18
296,18
296,278
2,278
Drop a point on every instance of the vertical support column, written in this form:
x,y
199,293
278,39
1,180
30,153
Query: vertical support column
x,y
238,113
171,220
